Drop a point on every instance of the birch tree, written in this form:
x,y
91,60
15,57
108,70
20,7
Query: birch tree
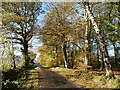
x,y
103,49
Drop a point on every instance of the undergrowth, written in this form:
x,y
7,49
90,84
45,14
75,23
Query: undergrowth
x,y
15,78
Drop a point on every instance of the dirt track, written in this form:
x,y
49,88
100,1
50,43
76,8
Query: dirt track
x,y
50,79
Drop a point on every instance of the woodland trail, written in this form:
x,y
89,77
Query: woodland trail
x,y
50,79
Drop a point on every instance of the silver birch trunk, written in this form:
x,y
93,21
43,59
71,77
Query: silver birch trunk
x,y
103,49
86,41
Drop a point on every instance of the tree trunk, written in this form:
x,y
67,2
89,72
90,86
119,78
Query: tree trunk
x,y
116,55
65,55
14,64
89,43
118,32
98,52
72,59
72,56
61,60
86,41
25,53
13,57
101,63
85,57
56,56
103,49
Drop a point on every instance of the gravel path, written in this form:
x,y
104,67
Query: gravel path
x,y
50,79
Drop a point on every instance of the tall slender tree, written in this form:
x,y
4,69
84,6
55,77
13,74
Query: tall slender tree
x,y
103,49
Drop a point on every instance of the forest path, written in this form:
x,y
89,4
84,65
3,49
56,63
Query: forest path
x,y
50,79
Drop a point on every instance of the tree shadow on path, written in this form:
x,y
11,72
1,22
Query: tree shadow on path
x,y
51,79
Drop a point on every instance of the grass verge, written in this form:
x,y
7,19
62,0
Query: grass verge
x,y
21,78
88,79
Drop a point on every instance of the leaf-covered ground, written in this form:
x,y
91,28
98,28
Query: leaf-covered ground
x,y
89,79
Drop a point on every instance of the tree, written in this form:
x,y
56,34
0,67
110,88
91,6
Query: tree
x,y
7,53
56,29
71,31
103,49
20,18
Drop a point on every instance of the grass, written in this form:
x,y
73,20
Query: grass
x,y
112,83
32,80
88,79
22,78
